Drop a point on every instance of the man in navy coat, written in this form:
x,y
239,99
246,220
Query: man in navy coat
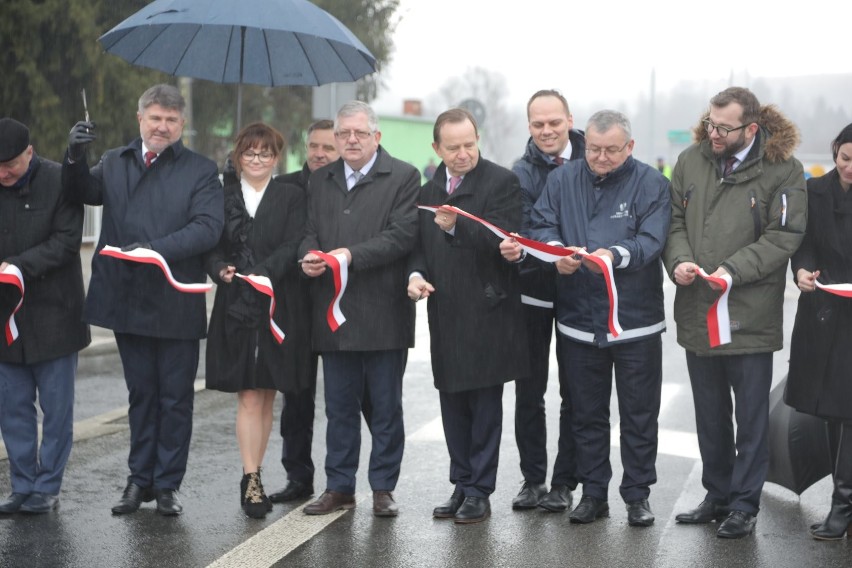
x,y
156,194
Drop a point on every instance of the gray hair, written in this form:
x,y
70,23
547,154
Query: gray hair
x,y
355,107
603,120
167,96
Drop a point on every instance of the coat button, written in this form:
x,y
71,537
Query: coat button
x,y
346,211
26,205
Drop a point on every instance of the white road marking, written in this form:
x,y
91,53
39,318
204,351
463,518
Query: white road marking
x,y
278,540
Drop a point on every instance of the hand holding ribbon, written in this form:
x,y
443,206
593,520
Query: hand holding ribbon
x,y
550,253
11,274
718,319
263,285
338,260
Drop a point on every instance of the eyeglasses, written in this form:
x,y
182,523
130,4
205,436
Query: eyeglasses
x,y
722,131
263,157
608,151
359,134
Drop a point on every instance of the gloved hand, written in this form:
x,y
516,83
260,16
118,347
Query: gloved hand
x,y
134,246
81,135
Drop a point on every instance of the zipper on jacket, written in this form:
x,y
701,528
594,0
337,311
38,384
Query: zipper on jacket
x,y
687,195
784,208
755,213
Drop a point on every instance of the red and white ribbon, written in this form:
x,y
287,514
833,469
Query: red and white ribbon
x,y
551,253
718,319
263,285
340,271
148,256
843,290
12,275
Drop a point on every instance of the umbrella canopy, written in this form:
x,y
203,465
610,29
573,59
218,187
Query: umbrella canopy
x,y
798,445
271,43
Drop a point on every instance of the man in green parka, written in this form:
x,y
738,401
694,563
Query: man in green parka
x,y
739,211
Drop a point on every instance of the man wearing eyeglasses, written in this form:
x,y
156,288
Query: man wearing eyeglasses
x,y
553,142
739,211
364,208
616,208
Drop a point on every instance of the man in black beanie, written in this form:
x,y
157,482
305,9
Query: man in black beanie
x,y
40,253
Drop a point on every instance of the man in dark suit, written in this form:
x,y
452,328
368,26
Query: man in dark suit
x,y
161,196
362,208
297,415
553,142
40,241
478,339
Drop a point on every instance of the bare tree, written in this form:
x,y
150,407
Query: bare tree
x,y
501,127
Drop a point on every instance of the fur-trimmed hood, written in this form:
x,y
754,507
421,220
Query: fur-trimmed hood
x,y
780,135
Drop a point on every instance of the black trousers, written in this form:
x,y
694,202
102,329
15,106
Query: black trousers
x,y
473,425
734,469
160,377
638,380
297,428
530,419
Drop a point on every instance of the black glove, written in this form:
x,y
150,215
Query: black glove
x,y
134,246
229,173
81,135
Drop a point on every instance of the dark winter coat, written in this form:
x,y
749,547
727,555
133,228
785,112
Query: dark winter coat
x,y
40,233
299,178
377,222
241,351
820,378
538,278
176,207
476,322
633,213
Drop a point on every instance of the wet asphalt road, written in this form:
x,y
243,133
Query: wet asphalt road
x,y
213,530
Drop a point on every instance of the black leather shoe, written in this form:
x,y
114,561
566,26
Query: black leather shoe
x,y
132,499
589,509
529,496
639,514
706,512
473,510
292,491
736,525
168,503
13,503
39,503
447,510
557,500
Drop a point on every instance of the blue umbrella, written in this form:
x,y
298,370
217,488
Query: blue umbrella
x,y
272,43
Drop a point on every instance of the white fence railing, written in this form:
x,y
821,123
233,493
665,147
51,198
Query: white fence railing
x,y
91,224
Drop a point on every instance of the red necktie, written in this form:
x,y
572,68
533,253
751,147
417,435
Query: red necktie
x,y
454,183
729,165
149,157
559,160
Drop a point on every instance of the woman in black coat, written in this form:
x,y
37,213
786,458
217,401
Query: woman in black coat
x,y
820,378
264,222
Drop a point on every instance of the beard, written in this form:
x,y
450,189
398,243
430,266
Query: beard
x,y
731,146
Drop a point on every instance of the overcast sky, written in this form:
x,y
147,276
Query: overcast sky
x,y
606,50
